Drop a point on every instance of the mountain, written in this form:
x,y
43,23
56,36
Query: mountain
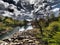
x,y
21,9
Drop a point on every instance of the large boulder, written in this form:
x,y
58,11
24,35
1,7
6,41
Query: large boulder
x,y
10,1
3,43
2,7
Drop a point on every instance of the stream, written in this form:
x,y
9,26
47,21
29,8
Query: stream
x,y
17,29
9,34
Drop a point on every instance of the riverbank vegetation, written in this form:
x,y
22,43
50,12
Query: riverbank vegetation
x,y
49,30
7,24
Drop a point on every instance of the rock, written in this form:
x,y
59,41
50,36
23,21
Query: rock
x,y
3,43
37,42
7,40
10,1
30,41
14,43
33,44
16,40
2,6
25,40
20,37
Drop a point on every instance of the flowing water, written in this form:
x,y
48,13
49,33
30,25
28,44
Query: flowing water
x,y
17,29
9,34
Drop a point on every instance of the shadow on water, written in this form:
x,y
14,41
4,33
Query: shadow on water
x,y
9,34
17,29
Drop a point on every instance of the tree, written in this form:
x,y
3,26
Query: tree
x,y
42,12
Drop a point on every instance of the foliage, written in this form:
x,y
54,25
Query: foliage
x,y
7,23
51,30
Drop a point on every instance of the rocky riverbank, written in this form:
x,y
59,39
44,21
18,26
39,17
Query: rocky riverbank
x,y
22,38
3,32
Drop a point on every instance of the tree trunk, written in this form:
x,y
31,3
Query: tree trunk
x,y
40,27
41,31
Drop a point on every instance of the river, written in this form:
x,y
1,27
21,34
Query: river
x,y
9,34
17,29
